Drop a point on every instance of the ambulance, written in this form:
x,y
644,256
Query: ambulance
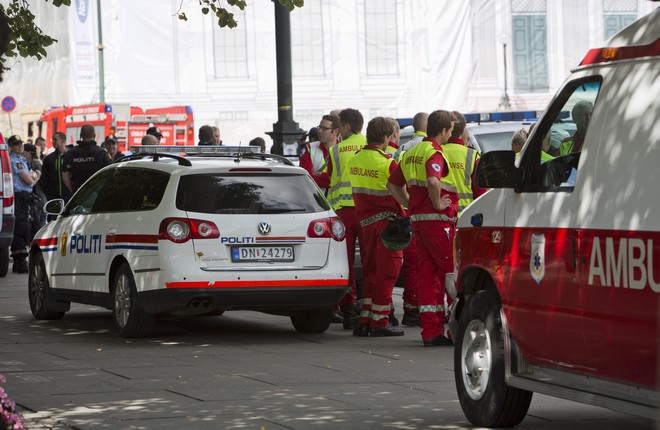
x,y
557,267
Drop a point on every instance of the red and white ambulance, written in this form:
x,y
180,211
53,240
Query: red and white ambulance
x,y
557,267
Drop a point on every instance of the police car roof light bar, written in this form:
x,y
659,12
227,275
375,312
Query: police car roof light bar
x,y
156,157
479,117
194,150
223,151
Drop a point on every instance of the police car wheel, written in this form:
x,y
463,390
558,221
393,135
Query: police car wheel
x,y
4,261
130,319
312,321
39,291
485,398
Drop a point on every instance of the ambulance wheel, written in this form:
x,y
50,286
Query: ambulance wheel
x,y
312,321
485,398
39,291
130,319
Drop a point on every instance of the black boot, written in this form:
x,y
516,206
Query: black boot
x,y
411,318
20,264
388,330
350,317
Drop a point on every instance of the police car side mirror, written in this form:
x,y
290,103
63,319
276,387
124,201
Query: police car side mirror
x,y
497,170
54,207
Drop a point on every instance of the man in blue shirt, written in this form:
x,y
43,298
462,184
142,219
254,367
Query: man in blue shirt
x,y
24,180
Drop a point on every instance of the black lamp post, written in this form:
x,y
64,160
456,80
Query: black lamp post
x,y
286,131
504,100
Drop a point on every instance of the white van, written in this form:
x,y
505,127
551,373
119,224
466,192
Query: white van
x,y
557,277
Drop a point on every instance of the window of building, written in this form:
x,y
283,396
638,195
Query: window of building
x,y
230,48
381,38
307,54
529,46
618,14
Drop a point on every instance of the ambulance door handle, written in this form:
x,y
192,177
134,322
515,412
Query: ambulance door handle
x,y
111,231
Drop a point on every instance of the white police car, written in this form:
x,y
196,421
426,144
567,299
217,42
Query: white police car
x,y
166,234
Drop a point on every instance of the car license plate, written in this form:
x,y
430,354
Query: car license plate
x,y
246,254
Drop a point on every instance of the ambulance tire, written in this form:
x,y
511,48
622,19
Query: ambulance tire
x,y
486,400
312,321
130,319
39,293
4,261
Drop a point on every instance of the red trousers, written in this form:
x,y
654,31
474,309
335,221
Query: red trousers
x,y
381,268
353,233
434,260
409,269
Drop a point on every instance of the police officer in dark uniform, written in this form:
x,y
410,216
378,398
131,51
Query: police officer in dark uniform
x,y
155,131
83,160
24,181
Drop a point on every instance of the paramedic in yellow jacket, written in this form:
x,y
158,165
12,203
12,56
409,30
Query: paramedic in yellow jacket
x,y
340,196
368,171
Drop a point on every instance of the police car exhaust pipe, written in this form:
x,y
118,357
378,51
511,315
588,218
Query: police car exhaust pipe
x,y
200,303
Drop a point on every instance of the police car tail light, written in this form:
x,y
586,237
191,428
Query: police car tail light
x,y
180,230
7,191
327,227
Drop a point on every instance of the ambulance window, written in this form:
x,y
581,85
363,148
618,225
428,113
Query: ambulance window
x,y
553,155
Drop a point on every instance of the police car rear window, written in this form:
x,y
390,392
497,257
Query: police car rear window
x,y
249,194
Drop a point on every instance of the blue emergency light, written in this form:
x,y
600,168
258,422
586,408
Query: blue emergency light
x,y
479,117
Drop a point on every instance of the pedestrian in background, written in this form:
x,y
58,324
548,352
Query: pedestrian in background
x,y
83,160
205,136
315,155
149,140
111,147
217,140
40,143
260,142
155,131
51,171
24,181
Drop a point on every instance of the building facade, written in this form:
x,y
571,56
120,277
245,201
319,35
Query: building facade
x,y
383,57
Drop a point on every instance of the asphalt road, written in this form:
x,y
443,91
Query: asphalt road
x,y
241,370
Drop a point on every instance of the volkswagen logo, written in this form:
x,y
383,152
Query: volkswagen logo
x,y
264,228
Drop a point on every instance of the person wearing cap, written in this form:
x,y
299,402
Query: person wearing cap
x,y
51,171
155,131
24,181
110,144
82,161
205,136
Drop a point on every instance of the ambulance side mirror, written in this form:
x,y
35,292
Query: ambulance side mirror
x,y
497,170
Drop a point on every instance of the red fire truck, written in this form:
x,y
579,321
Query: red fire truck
x,y
128,123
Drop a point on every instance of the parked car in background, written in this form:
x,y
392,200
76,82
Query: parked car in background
x,y
158,233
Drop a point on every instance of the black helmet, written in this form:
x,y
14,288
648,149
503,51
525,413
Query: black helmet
x,y
398,233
